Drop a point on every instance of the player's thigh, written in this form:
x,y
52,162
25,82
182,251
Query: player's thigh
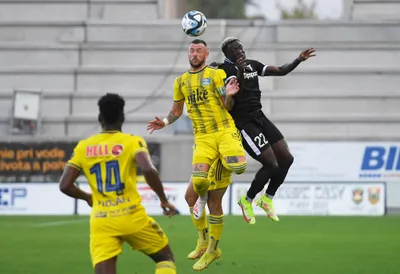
x,y
230,145
219,176
205,152
103,248
254,140
270,131
149,240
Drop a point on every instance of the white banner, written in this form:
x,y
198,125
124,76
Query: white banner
x,y
320,199
344,161
175,193
34,199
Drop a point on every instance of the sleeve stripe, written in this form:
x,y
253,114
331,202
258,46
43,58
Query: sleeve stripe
x,y
179,100
75,166
264,70
229,78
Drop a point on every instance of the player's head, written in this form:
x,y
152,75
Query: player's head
x,y
111,115
232,48
198,53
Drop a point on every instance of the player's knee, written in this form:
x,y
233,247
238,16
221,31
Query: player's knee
x,y
201,183
237,167
236,164
287,161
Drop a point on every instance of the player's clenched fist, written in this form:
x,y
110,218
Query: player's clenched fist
x,y
168,209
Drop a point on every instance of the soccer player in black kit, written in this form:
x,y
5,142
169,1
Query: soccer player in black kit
x,y
261,138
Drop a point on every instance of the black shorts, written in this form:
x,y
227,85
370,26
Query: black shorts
x,y
258,134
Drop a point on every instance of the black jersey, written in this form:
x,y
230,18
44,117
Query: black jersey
x,y
248,101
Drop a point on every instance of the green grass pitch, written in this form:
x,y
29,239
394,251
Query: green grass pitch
x,y
296,245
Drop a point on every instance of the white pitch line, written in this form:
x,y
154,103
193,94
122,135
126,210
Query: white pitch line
x,y
66,222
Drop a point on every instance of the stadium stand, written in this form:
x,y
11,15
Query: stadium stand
x,y
77,50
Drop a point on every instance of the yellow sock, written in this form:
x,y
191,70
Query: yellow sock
x,y
201,226
165,267
216,225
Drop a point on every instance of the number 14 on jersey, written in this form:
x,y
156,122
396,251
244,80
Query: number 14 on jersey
x,y
112,171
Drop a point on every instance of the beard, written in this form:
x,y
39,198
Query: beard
x,y
196,66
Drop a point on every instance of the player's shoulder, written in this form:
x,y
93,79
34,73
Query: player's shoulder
x,y
253,62
137,140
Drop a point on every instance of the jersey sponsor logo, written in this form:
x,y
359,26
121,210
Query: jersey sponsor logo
x,y
380,162
250,75
103,150
116,202
205,81
117,150
198,97
97,150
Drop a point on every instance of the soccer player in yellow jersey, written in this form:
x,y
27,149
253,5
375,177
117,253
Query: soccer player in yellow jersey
x,y
109,160
215,138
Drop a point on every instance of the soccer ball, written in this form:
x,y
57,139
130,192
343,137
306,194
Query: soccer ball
x,y
194,23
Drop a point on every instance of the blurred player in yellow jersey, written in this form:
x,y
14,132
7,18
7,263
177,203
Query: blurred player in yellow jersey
x,y
109,160
215,138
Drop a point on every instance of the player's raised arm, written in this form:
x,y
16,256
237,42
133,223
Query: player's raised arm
x,y
152,177
174,114
287,68
226,87
68,178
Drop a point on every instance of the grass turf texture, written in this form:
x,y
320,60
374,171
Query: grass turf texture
x,y
309,245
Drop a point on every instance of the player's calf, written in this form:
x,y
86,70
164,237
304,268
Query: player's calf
x,y
108,266
164,259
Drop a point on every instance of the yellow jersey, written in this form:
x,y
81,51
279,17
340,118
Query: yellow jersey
x,y
108,161
202,91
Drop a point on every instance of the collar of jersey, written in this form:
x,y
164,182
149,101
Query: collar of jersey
x,y
230,62
194,72
110,131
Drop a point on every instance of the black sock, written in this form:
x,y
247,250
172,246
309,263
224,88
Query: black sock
x,y
276,180
260,180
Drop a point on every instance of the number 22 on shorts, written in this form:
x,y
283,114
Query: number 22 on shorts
x,y
260,140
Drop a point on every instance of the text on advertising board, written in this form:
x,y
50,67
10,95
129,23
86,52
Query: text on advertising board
x,y
380,162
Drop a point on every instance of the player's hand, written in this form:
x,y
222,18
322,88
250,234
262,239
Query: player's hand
x,y
168,209
304,55
241,63
232,87
89,200
155,124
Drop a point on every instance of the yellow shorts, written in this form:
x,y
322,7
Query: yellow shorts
x,y
148,240
209,147
219,176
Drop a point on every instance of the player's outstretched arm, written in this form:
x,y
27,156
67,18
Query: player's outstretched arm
x,y
231,88
68,187
152,177
287,68
174,114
